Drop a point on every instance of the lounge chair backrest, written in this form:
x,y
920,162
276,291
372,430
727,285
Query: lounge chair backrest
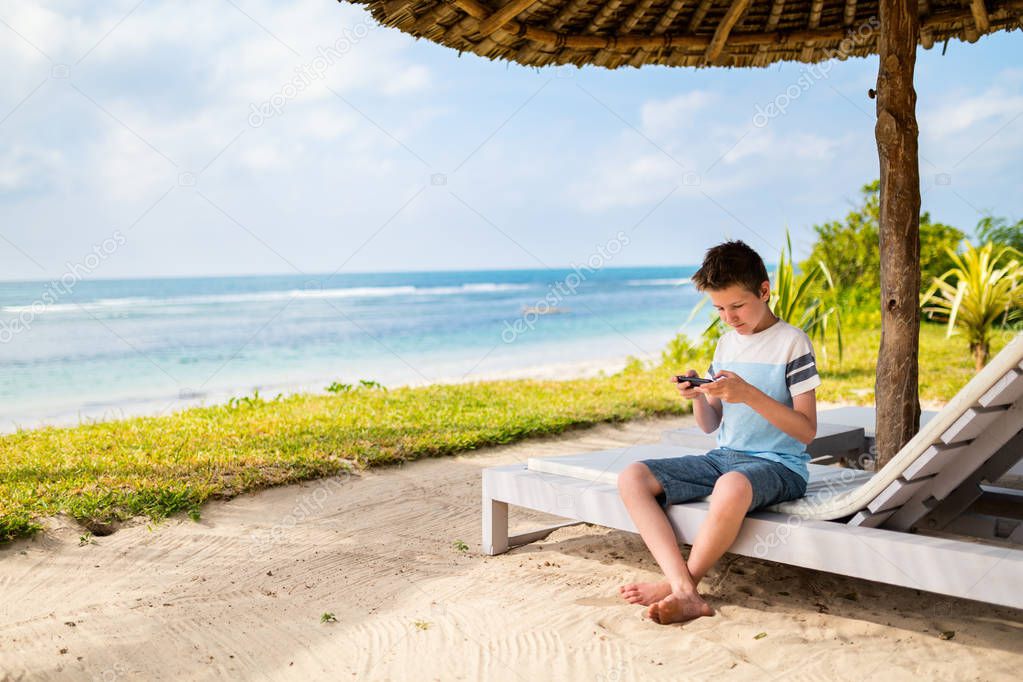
x,y
975,425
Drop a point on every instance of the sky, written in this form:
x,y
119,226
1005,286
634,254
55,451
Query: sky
x,y
247,136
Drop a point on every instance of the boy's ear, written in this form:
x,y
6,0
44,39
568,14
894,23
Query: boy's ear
x,y
765,288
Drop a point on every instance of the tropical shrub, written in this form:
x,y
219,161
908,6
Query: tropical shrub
x,y
982,292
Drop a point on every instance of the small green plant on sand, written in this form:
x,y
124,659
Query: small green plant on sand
x,y
328,617
461,546
422,624
246,401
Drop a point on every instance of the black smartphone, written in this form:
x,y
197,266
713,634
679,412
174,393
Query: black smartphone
x,y
693,381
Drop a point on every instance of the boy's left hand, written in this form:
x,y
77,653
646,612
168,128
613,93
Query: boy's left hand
x,y
729,387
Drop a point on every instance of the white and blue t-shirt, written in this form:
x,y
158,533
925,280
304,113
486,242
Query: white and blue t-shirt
x,y
780,362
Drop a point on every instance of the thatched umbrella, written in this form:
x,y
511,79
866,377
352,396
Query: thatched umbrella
x,y
616,33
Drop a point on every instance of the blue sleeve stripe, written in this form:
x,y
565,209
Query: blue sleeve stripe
x,y
799,363
801,375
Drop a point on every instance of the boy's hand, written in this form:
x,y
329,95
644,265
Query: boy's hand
x,y
729,387
687,390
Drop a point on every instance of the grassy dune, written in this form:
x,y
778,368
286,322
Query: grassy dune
x,y
156,466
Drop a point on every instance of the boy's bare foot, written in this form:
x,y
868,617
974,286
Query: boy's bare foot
x,y
679,607
645,593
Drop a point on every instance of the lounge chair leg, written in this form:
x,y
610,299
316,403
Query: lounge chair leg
x,y
495,526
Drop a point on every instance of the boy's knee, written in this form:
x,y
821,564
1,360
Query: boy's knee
x,y
637,476
733,485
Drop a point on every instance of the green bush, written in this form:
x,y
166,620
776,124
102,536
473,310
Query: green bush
x,y
1001,232
849,249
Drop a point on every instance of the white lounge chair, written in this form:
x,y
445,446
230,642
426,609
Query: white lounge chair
x,y
892,526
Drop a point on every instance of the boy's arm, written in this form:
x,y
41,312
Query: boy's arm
x,y
707,410
798,421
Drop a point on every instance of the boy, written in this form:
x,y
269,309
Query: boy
x,y
763,398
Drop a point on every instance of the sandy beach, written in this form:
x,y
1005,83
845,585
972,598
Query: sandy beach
x,y
364,578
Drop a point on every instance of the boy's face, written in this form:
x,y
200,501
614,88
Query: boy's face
x,y
741,309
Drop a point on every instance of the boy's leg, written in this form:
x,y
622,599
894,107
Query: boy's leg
x,y
729,503
639,490
750,484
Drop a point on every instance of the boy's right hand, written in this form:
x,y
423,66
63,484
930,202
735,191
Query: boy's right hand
x,y
687,390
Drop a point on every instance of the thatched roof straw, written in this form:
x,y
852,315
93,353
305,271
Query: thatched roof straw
x,y
614,33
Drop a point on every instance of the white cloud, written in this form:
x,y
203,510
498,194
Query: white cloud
x,y
688,144
414,78
974,133
666,116
264,156
122,168
961,113
766,144
26,169
326,124
629,180
184,77
215,64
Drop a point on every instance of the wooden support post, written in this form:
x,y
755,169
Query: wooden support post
x,y
896,389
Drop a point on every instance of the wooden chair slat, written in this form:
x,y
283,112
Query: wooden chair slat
x,y
1006,391
933,460
971,424
868,520
896,494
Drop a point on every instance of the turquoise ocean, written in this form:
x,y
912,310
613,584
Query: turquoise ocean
x,y
107,348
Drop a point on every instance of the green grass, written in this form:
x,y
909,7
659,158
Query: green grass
x,y
157,466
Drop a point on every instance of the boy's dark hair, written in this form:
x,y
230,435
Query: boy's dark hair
x,y
732,262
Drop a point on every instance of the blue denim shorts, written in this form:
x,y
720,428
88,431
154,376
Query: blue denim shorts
x,y
693,476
